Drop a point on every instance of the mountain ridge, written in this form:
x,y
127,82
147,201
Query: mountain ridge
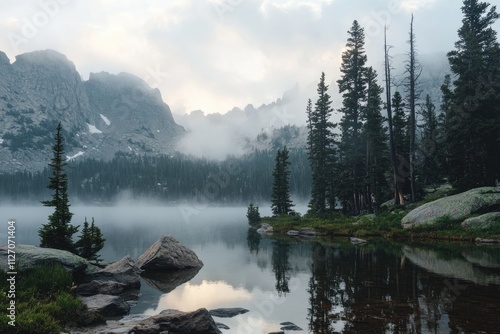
x,y
101,116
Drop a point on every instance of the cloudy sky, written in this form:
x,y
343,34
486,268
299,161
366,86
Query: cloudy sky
x,y
214,55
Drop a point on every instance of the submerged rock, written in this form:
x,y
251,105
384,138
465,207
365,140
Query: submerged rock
x,y
482,221
289,326
265,228
222,326
167,254
227,312
357,241
307,231
458,206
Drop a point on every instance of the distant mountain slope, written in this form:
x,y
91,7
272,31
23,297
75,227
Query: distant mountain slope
x,y
106,114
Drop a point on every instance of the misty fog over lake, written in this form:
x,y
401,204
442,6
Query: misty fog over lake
x,y
322,288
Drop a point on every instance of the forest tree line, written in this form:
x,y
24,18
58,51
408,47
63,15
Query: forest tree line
x,y
176,177
361,161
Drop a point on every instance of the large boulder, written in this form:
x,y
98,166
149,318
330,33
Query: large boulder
x,y
124,271
116,278
28,257
458,206
168,321
106,305
483,221
168,254
97,287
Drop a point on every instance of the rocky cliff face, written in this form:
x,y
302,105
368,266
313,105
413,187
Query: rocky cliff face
x,y
101,116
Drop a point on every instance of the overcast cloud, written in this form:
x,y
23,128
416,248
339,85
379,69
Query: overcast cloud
x,y
214,55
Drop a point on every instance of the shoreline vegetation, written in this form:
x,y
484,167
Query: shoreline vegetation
x,y
386,224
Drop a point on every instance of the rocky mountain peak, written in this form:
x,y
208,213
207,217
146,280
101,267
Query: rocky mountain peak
x,y
101,116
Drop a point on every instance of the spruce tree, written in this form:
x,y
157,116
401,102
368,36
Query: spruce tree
x,y
280,202
377,158
352,86
473,121
90,242
321,151
58,232
429,146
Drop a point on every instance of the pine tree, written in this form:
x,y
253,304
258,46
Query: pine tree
x,y
280,202
253,214
400,123
321,150
473,121
429,147
59,231
376,160
352,86
398,179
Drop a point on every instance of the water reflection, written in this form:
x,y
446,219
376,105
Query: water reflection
x,y
400,289
253,240
327,287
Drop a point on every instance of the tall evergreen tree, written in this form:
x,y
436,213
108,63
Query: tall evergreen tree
x,y
280,201
398,179
321,150
429,145
400,122
352,86
58,232
376,160
473,121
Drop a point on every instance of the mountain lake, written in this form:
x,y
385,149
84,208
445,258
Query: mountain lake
x,y
320,285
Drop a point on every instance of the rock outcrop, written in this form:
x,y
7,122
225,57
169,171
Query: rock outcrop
x,y
479,200
482,221
28,256
168,254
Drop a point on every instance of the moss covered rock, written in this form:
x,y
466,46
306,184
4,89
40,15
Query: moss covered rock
x,y
478,200
482,221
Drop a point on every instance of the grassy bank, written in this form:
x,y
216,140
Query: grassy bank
x,y
44,303
386,225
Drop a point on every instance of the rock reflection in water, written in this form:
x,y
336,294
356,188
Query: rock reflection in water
x,y
375,289
167,280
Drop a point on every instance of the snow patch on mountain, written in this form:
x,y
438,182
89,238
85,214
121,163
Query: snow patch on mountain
x,y
93,129
105,119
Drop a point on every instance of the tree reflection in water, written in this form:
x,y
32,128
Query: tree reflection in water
x,y
377,289
253,240
281,266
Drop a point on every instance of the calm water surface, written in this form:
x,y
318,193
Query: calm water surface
x,y
327,287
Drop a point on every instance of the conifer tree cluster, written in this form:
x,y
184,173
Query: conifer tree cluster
x,y
281,204
459,143
58,232
91,241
